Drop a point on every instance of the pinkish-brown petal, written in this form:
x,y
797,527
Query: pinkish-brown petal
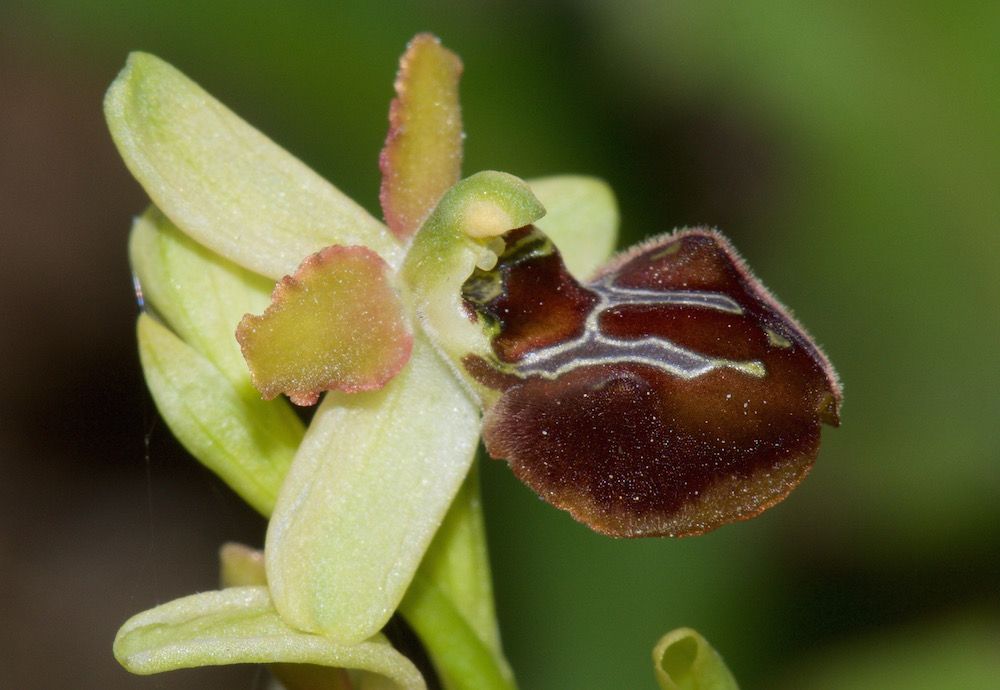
x,y
422,156
337,324
669,396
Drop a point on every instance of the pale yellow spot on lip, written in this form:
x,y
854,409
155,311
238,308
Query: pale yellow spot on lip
x,y
672,248
776,339
482,218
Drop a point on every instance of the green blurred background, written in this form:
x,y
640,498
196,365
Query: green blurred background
x,y
851,151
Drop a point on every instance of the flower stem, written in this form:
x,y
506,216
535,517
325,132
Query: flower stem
x,y
450,602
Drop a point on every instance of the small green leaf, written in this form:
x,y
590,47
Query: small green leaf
x,y
581,219
422,157
238,626
684,660
460,235
370,485
249,443
224,183
337,324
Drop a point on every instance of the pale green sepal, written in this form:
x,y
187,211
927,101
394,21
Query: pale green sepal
x,y
684,660
249,443
200,295
369,487
581,219
460,235
238,626
224,183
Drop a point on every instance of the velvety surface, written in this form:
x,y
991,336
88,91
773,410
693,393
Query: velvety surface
x,y
670,395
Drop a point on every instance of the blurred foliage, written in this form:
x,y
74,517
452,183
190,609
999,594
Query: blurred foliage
x,y
963,652
850,150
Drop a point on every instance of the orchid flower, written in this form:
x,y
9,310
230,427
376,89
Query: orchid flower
x,y
664,393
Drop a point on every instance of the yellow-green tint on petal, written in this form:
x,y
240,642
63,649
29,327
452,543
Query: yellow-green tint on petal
x,y
248,442
581,219
369,487
241,566
456,239
422,156
224,183
238,626
684,660
337,324
200,295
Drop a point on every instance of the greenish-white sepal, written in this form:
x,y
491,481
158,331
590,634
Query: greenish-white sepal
x,y
238,626
461,234
684,660
224,183
581,219
201,295
369,487
248,442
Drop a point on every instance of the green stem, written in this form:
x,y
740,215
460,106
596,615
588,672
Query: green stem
x,y
450,602
463,661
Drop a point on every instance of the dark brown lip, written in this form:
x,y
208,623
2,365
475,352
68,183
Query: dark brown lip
x,y
670,395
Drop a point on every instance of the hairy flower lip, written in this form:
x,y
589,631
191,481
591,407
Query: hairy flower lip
x,y
668,396
831,416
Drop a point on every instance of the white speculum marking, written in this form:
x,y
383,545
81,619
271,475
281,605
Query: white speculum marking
x,y
592,347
